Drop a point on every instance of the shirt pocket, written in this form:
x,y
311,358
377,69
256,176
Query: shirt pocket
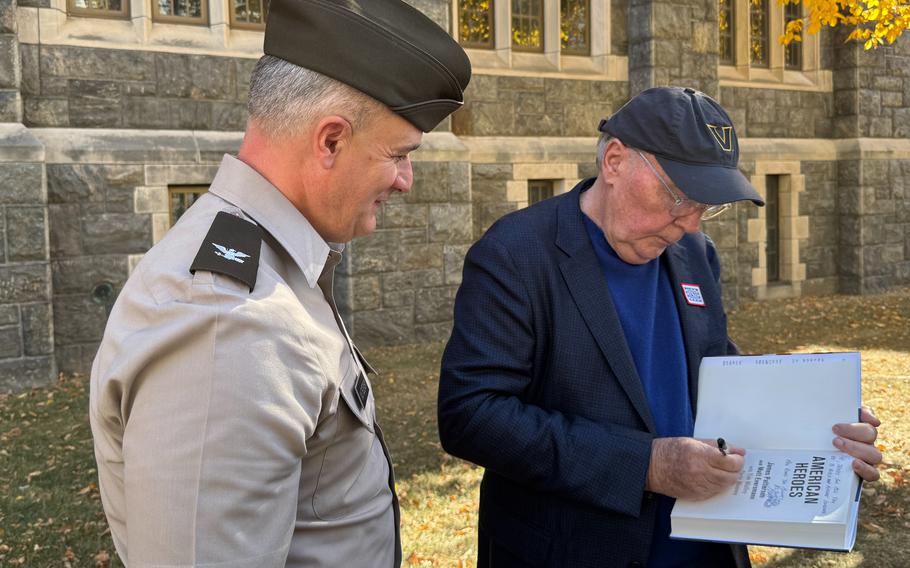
x,y
354,471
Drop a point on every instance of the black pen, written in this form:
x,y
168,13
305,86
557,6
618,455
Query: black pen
x,y
722,446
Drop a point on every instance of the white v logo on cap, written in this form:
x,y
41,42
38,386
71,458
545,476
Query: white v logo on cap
x,y
723,135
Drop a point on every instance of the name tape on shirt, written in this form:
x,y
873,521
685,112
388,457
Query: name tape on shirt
x,y
692,292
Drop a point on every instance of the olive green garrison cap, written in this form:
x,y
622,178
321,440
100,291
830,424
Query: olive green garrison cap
x,y
385,48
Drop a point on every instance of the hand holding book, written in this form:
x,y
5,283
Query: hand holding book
x,y
858,440
796,487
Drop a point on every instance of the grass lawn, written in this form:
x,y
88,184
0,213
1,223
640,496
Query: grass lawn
x,y
50,513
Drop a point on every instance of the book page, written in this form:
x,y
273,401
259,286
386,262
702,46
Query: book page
x,y
777,401
791,486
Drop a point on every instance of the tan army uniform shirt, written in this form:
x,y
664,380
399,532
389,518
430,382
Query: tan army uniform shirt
x,y
226,429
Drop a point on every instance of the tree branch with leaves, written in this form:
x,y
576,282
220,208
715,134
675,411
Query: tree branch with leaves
x,y
874,22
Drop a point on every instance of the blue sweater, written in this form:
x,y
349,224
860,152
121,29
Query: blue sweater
x,y
643,297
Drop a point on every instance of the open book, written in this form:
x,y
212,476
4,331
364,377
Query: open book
x,y
795,488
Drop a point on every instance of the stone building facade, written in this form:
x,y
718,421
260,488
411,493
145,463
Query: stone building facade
x,y
112,111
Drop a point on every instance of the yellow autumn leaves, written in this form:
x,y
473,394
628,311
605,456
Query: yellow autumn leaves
x,y
874,22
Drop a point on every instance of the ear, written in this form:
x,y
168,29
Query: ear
x,y
331,135
614,154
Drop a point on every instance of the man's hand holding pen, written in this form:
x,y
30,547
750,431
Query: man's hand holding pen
x,y
693,469
689,468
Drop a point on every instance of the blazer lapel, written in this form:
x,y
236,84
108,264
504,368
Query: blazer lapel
x,y
692,318
585,281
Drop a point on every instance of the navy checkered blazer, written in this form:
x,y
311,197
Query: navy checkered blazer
x,y
539,387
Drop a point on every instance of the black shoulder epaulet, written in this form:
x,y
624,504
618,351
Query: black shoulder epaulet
x,y
231,247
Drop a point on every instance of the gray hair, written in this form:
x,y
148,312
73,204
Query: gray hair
x,y
285,98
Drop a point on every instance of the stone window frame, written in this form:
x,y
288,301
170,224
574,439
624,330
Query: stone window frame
x,y
743,74
794,230
54,25
564,176
502,58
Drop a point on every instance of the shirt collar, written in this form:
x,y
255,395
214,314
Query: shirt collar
x,y
244,187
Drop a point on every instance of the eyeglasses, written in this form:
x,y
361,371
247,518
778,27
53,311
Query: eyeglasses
x,y
683,206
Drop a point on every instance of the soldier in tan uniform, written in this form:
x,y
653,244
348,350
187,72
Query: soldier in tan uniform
x,y
233,419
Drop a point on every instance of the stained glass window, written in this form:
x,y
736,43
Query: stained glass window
x,y
475,23
726,23
527,25
758,27
575,27
793,52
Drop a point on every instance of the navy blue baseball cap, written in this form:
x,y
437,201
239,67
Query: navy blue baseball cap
x,y
692,138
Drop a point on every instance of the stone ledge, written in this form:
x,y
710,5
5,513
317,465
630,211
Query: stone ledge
x,y
105,145
823,149
512,149
176,147
441,147
18,144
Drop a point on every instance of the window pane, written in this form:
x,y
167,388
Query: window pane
x,y
574,26
250,11
475,23
99,8
772,227
115,5
725,24
180,8
539,189
758,18
181,197
793,52
527,25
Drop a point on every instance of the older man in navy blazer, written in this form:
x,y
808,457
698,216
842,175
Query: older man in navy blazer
x,y
571,372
